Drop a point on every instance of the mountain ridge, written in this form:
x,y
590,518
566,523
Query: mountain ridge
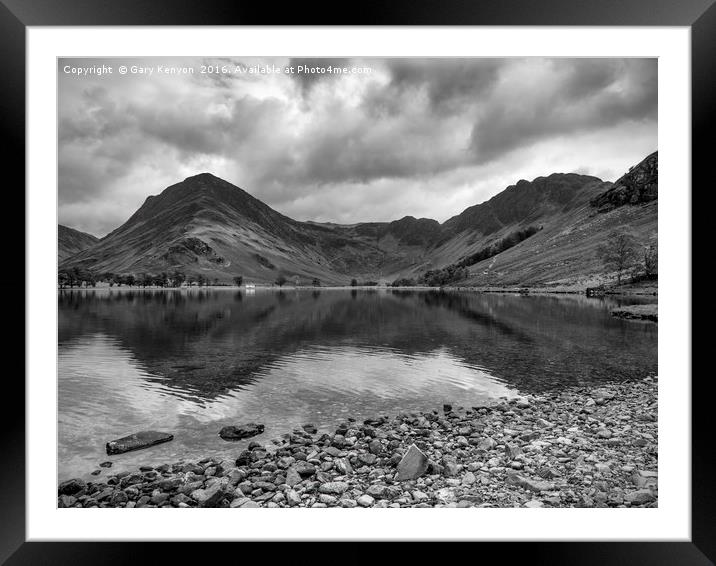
x,y
206,225
638,185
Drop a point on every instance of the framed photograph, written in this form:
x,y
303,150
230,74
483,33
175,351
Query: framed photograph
x,y
293,278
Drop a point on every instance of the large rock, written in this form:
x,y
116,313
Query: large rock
x,y
450,466
293,477
445,495
70,487
528,483
170,484
304,469
643,478
209,497
293,498
66,501
367,459
131,479
377,491
412,465
136,441
244,458
486,443
468,479
365,500
241,431
343,466
329,500
333,488
118,498
640,497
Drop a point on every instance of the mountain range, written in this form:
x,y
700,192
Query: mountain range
x,y
205,225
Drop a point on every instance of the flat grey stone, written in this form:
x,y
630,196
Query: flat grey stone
x,y
137,441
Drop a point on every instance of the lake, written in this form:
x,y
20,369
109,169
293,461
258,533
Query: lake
x,y
189,362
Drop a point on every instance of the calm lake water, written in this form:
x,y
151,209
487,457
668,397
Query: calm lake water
x,y
189,362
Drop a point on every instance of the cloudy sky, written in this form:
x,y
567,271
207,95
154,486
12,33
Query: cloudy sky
x,y
392,137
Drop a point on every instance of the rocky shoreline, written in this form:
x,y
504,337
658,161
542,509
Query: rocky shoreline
x,y
580,447
637,312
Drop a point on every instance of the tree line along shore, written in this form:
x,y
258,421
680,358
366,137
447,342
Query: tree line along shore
x,y
621,255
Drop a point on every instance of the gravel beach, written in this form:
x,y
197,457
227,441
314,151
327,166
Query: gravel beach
x,y
580,447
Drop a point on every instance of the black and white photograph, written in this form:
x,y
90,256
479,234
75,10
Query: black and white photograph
x,y
357,282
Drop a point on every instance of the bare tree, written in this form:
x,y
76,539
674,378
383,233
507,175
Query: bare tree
x,y
618,253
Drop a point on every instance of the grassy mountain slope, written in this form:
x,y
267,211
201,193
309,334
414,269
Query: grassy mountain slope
x,y
205,225
71,241
564,253
544,202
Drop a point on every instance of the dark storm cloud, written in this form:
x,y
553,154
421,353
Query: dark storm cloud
x,y
363,151
444,133
449,84
582,94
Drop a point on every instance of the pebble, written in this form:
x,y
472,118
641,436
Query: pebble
x,y
337,487
366,500
376,491
536,452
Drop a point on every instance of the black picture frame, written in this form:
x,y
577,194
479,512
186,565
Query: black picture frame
x,y
17,15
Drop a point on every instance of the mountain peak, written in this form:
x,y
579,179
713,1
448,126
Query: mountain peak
x,y
523,201
202,185
204,200
205,181
206,176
